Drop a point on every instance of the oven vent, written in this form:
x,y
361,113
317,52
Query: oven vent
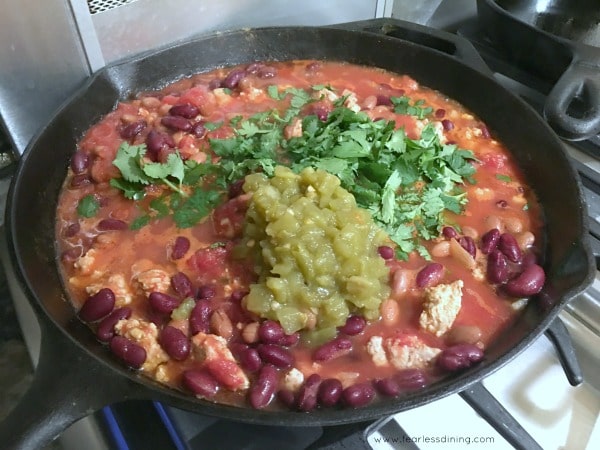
x,y
98,6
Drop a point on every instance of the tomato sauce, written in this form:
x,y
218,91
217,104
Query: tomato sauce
x,y
104,250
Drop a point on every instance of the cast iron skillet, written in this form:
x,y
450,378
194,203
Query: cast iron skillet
x,y
559,43
76,375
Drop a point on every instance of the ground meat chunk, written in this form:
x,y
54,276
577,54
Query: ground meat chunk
x,y
154,280
213,351
377,352
144,334
85,263
441,306
409,352
293,380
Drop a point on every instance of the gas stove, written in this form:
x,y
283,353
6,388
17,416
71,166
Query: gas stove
x,y
544,398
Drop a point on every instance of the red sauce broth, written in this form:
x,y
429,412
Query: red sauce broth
x,y
126,253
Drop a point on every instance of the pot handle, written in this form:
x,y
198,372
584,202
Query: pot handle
x,y
67,385
580,81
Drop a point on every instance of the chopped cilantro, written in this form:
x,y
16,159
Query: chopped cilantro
x,y
504,178
402,105
88,206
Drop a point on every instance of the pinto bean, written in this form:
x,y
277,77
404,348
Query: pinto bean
x,y
390,311
220,324
525,240
250,332
513,224
464,334
441,249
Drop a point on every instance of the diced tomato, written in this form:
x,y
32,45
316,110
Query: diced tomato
x,y
210,262
227,373
201,97
493,161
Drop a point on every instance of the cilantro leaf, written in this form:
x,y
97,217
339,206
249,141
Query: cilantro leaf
x,y
88,206
189,211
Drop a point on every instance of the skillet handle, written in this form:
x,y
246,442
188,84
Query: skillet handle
x,y
67,385
580,81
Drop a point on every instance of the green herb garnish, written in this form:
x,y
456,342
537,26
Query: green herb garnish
x,y
402,105
88,206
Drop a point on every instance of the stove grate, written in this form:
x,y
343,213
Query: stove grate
x,y
98,6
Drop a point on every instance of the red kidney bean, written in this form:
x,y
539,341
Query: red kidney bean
x,y
529,258
468,244
182,285
80,161
72,254
270,332
287,397
186,110
106,328
133,129
321,112
238,295
215,84
175,343
156,140
80,180
254,68
233,78
359,394
235,189
508,245
387,386
72,230
180,247
449,232
97,306
383,100
206,292
132,354
354,325
497,267
176,123
250,359
386,252
529,282
448,125
200,317
163,303
489,240
333,349
112,225
410,379
485,132
430,275
314,66
330,392
266,72
200,382
307,395
288,340
459,356
198,129
261,391
275,355
439,113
